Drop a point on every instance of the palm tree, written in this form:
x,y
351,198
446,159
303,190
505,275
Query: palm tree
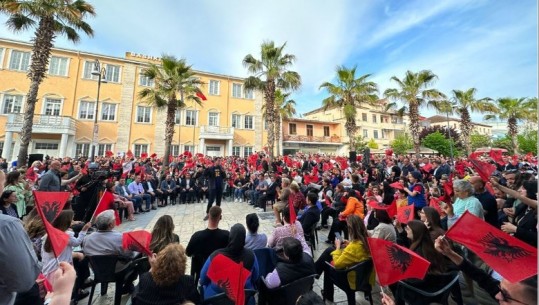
x,y
349,93
514,110
50,18
174,83
462,103
268,74
284,109
414,91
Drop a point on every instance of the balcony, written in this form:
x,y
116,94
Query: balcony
x,y
336,140
43,124
216,132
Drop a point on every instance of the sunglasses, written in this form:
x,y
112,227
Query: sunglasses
x,y
507,298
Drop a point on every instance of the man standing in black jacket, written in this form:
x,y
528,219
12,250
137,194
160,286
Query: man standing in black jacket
x,y
216,179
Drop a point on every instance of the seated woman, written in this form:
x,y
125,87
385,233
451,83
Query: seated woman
x,y
236,252
50,262
430,217
254,240
384,229
351,253
353,207
166,282
288,230
163,234
122,202
422,244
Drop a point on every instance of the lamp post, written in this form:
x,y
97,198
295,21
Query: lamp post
x,y
450,139
100,73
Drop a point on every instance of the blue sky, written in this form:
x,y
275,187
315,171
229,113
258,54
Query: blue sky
x,y
489,45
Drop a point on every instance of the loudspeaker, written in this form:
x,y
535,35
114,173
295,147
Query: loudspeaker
x,y
34,157
352,156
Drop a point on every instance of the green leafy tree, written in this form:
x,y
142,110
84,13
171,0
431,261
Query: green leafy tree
x,y
527,142
348,93
284,108
415,91
438,142
372,144
360,143
50,18
268,74
505,142
174,83
515,111
479,140
401,144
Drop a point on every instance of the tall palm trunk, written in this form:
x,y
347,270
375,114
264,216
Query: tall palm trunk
x,y
269,96
351,127
414,126
466,129
169,129
41,50
277,132
513,132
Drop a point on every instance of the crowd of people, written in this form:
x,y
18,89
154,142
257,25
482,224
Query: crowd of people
x,y
306,192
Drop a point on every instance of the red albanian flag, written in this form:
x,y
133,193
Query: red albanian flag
x,y
51,203
153,156
188,154
144,155
137,241
327,201
448,186
405,214
229,276
397,185
109,154
394,263
106,203
435,203
201,96
512,258
291,208
496,155
326,166
389,152
129,154
391,208
47,201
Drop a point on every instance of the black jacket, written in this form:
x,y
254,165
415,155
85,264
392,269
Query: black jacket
x,y
309,219
289,272
216,176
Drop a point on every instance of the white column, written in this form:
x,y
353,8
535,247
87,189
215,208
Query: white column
x,y
229,147
63,144
201,146
8,140
71,147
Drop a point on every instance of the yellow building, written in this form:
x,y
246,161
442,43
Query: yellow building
x,y
229,122
312,136
373,122
443,121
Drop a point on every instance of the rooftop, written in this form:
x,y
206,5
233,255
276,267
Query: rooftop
x,y
443,119
310,121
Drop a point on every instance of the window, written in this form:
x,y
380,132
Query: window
x,y
48,146
12,104
292,129
248,122
1,57
190,148
236,121
140,149
249,94
384,133
58,66
175,150
364,117
108,112
236,90
102,148
214,87
365,133
88,67
82,149
145,81
247,150
19,60
236,151
374,118
213,119
52,106
326,131
86,110
112,73
144,114
190,117
375,134
310,130
178,117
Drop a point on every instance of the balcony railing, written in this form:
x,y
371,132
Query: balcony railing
x,y
312,139
43,124
216,132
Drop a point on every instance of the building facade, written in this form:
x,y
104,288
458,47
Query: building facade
x,y
229,122
443,121
373,121
310,136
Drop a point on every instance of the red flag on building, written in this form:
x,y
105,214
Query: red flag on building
x,y
512,258
51,203
201,95
106,203
394,263
230,277
44,202
405,214
137,241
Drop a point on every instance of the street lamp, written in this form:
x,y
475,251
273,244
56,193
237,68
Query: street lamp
x,y
100,73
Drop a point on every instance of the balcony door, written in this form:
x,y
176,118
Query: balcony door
x,y
214,150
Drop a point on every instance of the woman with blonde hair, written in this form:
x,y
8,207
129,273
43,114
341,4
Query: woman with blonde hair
x,y
166,282
163,234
